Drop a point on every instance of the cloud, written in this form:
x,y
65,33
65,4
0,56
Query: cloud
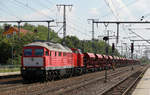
x,y
41,14
94,11
49,13
141,6
119,9
73,22
128,12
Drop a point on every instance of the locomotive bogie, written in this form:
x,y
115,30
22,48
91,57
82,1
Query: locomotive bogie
x,y
32,73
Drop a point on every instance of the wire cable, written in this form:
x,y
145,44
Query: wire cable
x,y
79,31
9,13
129,4
41,13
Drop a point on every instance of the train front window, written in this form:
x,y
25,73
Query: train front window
x,y
38,52
27,52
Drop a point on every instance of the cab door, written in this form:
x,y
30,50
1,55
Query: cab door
x,y
47,57
80,59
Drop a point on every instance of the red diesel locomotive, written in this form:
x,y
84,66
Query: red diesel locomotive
x,y
49,60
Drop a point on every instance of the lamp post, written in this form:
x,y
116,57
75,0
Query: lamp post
x,y
106,38
132,50
113,51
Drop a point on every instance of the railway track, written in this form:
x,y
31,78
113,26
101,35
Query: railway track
x,y
62,86
9,82
4,80
13,83
124,87
80,90
69,87
63,89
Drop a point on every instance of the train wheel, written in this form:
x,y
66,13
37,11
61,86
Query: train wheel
x,y
50,75
46,76
71,72
58,75
84,70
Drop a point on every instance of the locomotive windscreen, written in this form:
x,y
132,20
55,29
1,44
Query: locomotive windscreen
x,y
27,52
38,52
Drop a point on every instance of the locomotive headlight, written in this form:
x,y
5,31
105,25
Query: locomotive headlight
x,y
42,68
24,68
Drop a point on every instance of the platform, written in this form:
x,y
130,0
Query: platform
x,y
9,74
143,88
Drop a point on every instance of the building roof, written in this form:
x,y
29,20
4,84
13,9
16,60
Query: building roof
x,y
11,30
21,30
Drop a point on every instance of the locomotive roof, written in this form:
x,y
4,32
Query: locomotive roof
x,y
51,46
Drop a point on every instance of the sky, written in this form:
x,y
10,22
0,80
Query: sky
x,y
78,15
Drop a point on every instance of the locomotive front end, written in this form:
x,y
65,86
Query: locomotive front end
x,y
33,62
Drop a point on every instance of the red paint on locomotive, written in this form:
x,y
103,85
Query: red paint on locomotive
x,y
46,58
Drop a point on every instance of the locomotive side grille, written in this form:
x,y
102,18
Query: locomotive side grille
x,y
33,61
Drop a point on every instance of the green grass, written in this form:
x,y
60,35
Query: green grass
x,y
9,70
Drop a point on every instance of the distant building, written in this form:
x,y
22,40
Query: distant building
x,y
10,31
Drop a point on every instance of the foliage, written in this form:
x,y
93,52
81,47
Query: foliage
x,y
88,45
7,44
42,32
5,48
144,60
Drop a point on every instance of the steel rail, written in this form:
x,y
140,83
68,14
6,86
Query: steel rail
x,y
136,80
68,89
103,93
16,86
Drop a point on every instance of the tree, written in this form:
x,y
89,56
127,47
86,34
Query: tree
x,y
42,34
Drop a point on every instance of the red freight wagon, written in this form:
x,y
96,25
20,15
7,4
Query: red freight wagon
x,y
99,61
110,61
115,60
105,60
89,61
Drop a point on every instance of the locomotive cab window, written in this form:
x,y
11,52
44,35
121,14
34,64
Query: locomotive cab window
x,y
64,54
55,53
59,53
46,53
38,52
50,53
27,52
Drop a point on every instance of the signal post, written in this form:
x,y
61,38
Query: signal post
x,y
106,38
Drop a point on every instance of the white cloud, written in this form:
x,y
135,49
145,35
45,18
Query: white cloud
x,y
141,6
73,23
94,11
42,14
